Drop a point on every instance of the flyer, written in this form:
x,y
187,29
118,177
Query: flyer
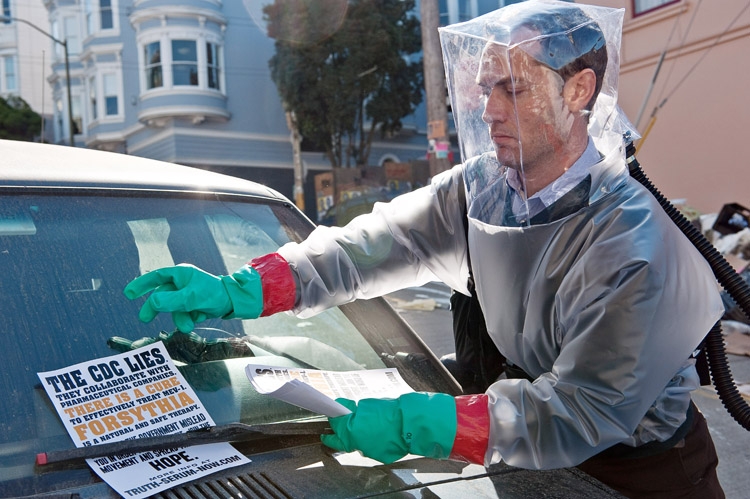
x,y
138,394
316,390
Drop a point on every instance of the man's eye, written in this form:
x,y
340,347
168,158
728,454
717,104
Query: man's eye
x,y
486,91
514,89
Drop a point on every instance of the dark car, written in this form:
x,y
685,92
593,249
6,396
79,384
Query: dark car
x,y
77,225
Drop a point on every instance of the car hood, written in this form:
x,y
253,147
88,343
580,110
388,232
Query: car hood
x,y
312,470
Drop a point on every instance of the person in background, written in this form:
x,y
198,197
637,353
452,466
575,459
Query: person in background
x,y
595,299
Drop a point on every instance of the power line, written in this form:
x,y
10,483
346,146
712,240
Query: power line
x,y
680,47
705,53
661,104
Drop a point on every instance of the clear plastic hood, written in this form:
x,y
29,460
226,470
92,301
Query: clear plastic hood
x,y
532,85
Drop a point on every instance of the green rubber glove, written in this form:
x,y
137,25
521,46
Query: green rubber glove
x,y
193,295
386,430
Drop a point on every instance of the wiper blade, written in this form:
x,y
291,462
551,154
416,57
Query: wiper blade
x,y
234,432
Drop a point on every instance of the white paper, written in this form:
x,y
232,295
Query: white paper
x,y
137,394
316,390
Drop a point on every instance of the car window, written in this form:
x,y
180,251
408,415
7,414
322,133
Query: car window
x,y
65,260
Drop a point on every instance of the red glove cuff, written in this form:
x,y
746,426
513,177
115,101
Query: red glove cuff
x,y
277,281
472,429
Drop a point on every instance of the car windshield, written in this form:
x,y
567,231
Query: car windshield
x,y
65,259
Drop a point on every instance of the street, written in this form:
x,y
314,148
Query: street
x,y
732,441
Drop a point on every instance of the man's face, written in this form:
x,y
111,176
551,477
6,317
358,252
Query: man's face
x,y
528,120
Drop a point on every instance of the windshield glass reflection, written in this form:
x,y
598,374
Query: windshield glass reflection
x,y
65,261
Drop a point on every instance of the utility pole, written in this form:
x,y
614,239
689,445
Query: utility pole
x,y
296,139
434,82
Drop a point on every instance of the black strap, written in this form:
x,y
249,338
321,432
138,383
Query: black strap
x,y
478,361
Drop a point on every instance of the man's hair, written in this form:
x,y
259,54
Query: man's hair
x,y
570,41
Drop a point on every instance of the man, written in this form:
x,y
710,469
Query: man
x,y
594,297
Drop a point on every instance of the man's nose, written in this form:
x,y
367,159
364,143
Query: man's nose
x,y
499,107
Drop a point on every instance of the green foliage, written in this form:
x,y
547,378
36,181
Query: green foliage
x,y
17,120
348,70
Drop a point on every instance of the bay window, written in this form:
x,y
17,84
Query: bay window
x,y
181,61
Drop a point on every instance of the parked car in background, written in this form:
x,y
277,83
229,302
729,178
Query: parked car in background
x,y
77,225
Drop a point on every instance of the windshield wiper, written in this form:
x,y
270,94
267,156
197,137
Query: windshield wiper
x,y
234,432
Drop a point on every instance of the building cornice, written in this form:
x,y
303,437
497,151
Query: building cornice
x,y
140,16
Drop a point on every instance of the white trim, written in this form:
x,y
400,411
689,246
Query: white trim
x,y
139,16
384,158
158,92
116,136
91,51
176,111
218,3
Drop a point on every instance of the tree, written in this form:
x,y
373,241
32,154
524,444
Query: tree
x,y
17,120
347,70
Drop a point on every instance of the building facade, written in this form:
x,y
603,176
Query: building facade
x,y
694,111
25,55
187,81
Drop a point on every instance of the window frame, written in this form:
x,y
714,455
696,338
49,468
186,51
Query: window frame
x,y
97,97
215,66
112,93
648,10
92,98
93,13
73,40
110,9
148,65
183,64
77,114
7,11
11,59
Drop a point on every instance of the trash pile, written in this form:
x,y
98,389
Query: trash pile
x,y
729,232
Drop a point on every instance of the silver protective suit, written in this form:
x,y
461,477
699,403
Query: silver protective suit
x,y
603,306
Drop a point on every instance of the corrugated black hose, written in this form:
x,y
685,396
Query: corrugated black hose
x,y
730,280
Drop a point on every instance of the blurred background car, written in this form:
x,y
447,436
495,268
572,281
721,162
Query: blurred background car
x,y
76,225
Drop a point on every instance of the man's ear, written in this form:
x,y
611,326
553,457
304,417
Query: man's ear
x,y
579,89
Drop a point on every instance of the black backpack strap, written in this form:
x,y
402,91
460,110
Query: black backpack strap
x,y
478,361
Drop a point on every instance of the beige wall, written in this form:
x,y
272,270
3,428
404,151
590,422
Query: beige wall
x,y
695,148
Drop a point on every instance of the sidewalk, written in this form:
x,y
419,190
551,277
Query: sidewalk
x,y
732,440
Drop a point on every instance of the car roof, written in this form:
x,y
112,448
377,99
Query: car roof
x,y
45,165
